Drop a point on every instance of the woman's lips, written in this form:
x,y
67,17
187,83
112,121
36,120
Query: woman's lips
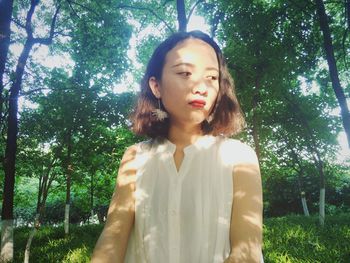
x,y
197,103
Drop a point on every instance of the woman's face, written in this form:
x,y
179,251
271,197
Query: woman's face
x,y
190,82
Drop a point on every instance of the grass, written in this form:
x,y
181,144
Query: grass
x,y
302,240
51,245
286,240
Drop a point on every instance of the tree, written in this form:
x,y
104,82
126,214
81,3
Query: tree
x,y
5,33
333,70
103,17
269,45
12,129
100,57
264,50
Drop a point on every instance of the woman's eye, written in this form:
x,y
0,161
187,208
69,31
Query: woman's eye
x,y
185,73
213,78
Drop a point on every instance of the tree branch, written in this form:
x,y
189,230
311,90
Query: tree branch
x,y
181,15
28,26
71,7
48,40
347,11
303,8
122,6
215,22
60,33
84,7
32,91
166,2
193,8
346,32
345,35
18,23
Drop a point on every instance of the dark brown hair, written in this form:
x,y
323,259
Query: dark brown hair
x,y
227,118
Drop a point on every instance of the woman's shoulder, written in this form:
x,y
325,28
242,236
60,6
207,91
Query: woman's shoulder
x,y
136,154
143,147
236,151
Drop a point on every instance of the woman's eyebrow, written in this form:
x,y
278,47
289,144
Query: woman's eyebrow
x,y
192,66
183,64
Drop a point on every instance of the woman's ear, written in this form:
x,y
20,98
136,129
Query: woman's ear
x,y
154,85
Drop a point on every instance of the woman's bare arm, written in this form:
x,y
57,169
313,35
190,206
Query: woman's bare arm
x,y
246,219
112,243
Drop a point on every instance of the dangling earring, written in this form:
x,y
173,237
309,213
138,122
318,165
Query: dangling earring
x,y
159,114
210,118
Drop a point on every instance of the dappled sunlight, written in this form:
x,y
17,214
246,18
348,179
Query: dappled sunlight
x,y
128,180
246,232
253,220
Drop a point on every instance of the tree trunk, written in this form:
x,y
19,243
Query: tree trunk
x,y
6,7
322,192
322,206
255,118
69,178
92,196
44,186
312,145
300,172
31,236
181,15
304,204
301,183
29,243
6,240
12,131
66,219
301,187
11,143
347,12
319,164
333,71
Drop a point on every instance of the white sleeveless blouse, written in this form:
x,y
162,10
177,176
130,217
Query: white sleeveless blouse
x,y
184,216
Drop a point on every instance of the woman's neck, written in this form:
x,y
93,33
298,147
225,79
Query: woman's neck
x,y
183,135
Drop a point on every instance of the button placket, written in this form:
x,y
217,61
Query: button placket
x,y
174,221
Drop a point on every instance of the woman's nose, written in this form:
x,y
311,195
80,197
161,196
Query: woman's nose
x,y
200,88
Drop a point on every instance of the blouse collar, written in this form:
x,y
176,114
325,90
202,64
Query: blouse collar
x,y
202,142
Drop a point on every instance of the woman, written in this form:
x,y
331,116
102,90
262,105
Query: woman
x,y
189,194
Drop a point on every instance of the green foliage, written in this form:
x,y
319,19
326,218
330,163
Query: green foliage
x,y
99,42
95,119
282,188
269,46
292,239
54,212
